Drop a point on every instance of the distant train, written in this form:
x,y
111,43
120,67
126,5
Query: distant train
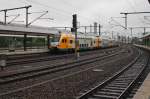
x,y
66,41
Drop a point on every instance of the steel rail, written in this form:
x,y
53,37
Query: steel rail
x,y
47,70
44,58
94,90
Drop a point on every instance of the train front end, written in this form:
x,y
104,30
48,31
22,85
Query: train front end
x,y
54,43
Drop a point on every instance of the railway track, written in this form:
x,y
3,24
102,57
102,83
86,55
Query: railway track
x,y
67,83
46,57
16,76
119,85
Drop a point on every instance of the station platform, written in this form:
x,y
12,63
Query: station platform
x,y
29,51
144,91
143,46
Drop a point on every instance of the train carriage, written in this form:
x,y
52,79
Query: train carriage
x,y
66,41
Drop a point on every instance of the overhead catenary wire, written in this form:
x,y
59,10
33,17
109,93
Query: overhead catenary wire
x,y
14,18
133,8
57,11
64,12
48,6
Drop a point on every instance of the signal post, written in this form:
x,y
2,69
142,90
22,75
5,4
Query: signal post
x,y
76,39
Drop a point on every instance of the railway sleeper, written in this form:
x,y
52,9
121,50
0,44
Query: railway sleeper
x,y
121,84
97,96
115,88
120,81
118,86
127,79
109,93
111,90
128,76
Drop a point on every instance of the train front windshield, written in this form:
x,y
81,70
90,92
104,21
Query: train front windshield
x,y
54,40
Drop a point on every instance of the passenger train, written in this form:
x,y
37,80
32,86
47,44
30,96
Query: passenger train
x,y
66,41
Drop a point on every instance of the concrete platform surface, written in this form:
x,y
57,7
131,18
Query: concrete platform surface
x,y
143,46
144,91
24,52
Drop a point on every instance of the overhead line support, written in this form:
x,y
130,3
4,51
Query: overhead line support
x,y
5,13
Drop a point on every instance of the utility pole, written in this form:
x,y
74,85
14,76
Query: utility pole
x,y
27,9
144,34
126,20
131,31
90,28
76,39
132,13
6,10
99,30
85,29
5,16
144,30
112,34
131,34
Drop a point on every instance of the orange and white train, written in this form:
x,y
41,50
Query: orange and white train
x,y
66,41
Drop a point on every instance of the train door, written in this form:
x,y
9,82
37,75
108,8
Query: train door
x,y
71,42
64,41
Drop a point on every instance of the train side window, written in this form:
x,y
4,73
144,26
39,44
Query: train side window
x,y
71,41
63,40
80,45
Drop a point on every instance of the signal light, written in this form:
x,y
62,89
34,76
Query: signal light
x,y
74,21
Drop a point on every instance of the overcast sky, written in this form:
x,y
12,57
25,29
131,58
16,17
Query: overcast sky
x,y
88,11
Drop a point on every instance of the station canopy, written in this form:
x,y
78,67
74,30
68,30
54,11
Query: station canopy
x,y
147,35
18,29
